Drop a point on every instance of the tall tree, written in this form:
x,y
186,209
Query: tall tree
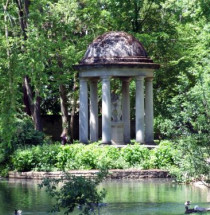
x,y
32,100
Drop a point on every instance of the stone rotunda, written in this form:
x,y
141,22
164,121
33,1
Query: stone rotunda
x,y
116,55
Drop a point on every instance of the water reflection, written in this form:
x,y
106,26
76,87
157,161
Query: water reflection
x,y
24,195
124,197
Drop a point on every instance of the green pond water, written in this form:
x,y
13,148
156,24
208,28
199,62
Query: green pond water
x,y
124,197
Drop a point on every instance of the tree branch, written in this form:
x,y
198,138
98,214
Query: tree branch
x,y
21,16
146,14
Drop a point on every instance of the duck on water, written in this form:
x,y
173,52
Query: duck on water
x,y
195,209
17,212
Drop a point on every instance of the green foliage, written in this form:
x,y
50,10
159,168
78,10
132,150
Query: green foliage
x,y
111,158
48,157
174,33
75,191
87,156
184,108
185,159
24,160
39,158
93,156
25,134
191,159
136,155
163,155
4,170
66,157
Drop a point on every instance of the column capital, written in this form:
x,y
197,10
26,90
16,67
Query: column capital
x,y
140,78
148,79
83,79
93,79
105,77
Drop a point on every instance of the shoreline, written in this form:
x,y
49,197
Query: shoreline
x,y
113,174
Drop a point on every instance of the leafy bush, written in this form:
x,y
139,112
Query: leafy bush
x,y
136,155
191,159
22,136
186,159
87,156
26,134
4,170
4,159
66,158
76,192
24,160
48,157
110,158
163,155
40,158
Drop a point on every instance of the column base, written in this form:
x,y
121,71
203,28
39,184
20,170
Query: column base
x,y
106,143
84,142
149,142
140,142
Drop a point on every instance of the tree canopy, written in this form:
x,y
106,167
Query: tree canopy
x,y
41,40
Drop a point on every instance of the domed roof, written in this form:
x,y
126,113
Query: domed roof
x,y
114,48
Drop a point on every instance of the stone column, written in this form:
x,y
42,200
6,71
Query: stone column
x,y
106,110
126,109
140,109
93,110
83,111
149,115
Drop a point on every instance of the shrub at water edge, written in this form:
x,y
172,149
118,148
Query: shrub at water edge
x,y
49,157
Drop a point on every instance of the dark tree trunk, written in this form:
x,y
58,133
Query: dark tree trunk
x,y
32,105
136,16
25,100
37,114
73,108
21,17
64,106
64,114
